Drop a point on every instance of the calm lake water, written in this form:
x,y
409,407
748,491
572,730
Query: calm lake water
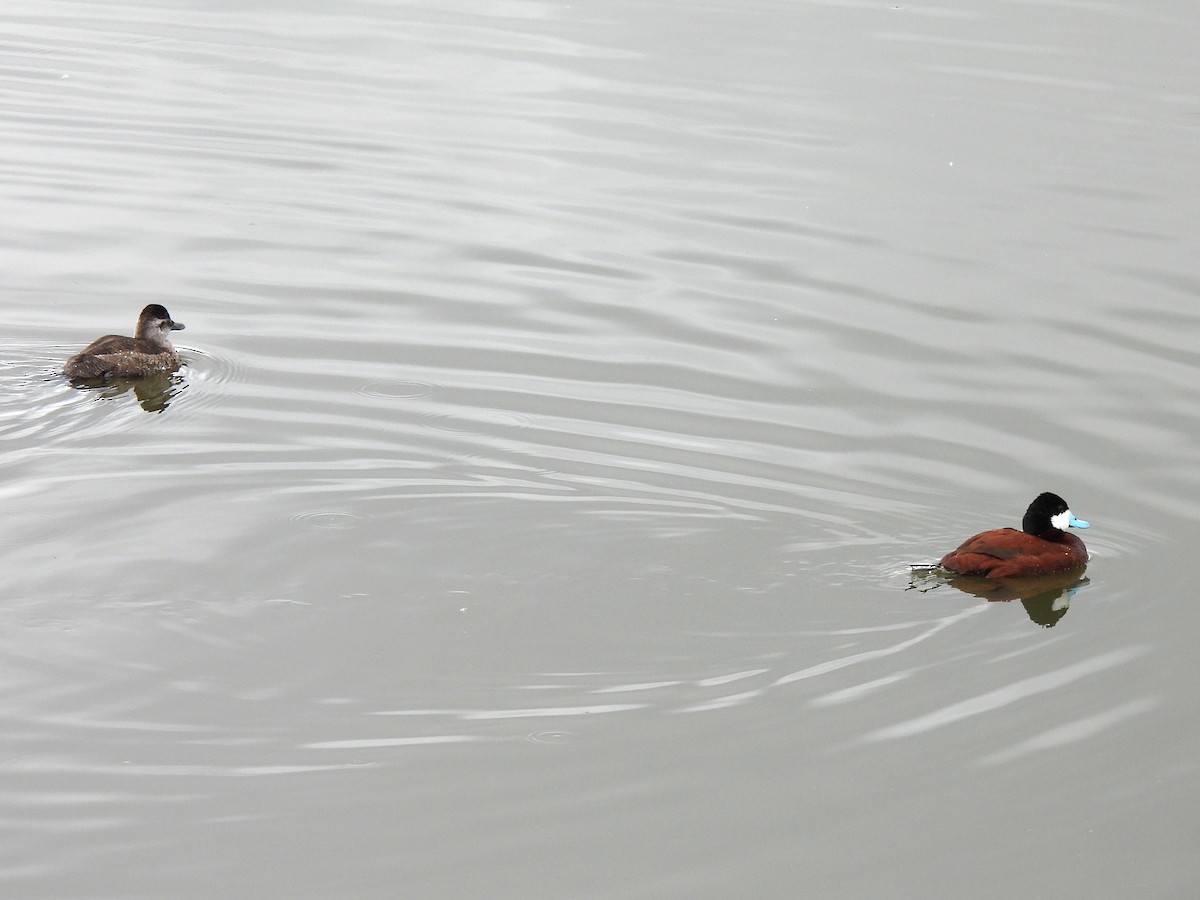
x,y
568,389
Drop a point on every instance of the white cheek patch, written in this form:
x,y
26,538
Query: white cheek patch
x,y
1062,520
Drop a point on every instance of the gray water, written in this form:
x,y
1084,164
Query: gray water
x,y
567,391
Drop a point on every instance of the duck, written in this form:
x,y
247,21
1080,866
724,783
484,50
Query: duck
x,y
149,352
1042,546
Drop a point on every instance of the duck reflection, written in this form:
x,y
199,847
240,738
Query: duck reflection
x,y
154,393
1046,598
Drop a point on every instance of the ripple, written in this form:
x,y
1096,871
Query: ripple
x,y
327,519
395,390
1006,695
550,737
218,368
33,400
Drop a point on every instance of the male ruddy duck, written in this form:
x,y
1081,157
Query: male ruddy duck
x,y
149,353
1041,547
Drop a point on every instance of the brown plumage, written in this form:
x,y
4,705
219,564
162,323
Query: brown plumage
x,y
148,353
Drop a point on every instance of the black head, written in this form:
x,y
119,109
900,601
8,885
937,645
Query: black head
x,y
156,312
1048,514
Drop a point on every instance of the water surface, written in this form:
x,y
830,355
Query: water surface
x,y
567,392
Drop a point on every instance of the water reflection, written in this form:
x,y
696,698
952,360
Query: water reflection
x,y
153,393
1046,598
